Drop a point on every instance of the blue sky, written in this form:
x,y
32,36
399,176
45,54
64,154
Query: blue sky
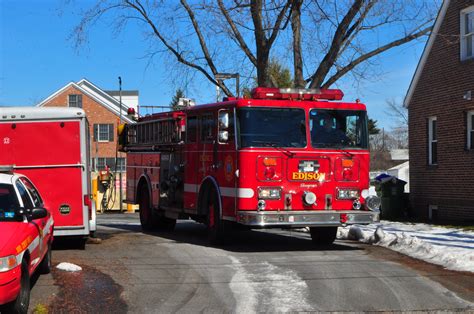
x,y
36,59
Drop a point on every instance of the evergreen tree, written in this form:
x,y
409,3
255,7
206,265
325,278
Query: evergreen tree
x,y
372,125
175,100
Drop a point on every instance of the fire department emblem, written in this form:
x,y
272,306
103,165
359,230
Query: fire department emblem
x,y
6,140
229,168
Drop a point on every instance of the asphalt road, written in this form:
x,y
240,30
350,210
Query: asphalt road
x,y
263,271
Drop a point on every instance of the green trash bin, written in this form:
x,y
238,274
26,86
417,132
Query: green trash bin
x,y
393,199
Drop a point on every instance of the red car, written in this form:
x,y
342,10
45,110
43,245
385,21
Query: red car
x,y
26,234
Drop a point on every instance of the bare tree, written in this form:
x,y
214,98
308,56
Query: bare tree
x,y
338,37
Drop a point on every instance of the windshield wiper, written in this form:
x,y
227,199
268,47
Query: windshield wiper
x,y
274,145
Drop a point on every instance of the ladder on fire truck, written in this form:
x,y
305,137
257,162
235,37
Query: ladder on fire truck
x,y
156,132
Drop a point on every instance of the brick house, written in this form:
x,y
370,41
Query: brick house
x,y
103,113
440,103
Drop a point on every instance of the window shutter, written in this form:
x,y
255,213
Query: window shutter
x,y
111,132
427,141
79,101
96,130
466,129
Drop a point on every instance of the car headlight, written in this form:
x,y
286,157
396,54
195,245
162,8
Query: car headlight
x,y
7,263
348,194
269,193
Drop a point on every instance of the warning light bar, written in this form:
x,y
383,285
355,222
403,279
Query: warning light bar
x,y
296,93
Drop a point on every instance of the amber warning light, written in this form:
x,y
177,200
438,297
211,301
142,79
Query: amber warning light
x,y
296,93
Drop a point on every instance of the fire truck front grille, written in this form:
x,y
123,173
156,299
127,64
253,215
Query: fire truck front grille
x,y
305,218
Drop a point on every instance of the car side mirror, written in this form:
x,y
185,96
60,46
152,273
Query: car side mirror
x,y
38,213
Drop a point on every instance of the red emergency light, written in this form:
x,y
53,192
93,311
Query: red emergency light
x,y
296,93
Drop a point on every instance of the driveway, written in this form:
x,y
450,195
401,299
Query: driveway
x,y
262,271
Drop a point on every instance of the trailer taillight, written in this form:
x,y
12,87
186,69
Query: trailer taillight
x,y
87,201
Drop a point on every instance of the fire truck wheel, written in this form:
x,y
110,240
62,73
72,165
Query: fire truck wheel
x,y
323,235
165,223
215,225
20,305
146,217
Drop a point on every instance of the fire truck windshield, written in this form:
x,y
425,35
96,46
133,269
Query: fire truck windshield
x,y
338,128
8,203
275,127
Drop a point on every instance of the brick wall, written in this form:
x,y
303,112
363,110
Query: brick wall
x,y
96,114
439,92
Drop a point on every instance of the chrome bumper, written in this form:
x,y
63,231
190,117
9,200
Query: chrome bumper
x,y
323,218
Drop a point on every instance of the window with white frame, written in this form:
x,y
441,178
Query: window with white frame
x,y
470,130
101,162
467,33
103,132
75,101
432,141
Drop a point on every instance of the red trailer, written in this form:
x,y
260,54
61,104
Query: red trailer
x,y
51,146
282,158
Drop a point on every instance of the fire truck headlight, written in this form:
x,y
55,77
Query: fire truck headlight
x,y
347,194
269,193
373,203
7,263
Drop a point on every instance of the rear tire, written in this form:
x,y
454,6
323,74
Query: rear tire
x,y
46,266
20,305
149,219
323,235
146,217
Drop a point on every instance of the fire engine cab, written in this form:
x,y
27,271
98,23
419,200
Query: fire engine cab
x,y
285,158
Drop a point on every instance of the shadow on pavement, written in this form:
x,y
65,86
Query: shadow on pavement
x,y
268,240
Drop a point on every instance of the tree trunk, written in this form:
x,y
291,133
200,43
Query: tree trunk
x,y
299,81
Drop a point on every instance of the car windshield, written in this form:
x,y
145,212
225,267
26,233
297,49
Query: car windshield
x,y
338,128
271,127
8,203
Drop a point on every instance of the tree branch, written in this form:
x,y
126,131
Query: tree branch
x,y
237,35
139,8
341,72
341,31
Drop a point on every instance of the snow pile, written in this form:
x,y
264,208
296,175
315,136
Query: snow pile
x,y
448,247
68,267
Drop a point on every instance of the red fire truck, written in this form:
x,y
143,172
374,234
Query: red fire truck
x,y
286,158
51,147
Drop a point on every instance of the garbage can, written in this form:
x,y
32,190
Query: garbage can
x,y
393,198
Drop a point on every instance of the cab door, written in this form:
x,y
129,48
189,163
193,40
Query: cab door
x,y
225,161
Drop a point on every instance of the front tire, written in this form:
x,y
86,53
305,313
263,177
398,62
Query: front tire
x,y
46,265
323,235
215,224
20,305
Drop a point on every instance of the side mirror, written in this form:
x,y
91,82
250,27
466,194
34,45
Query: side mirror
x,y
38,213
223,120
223,136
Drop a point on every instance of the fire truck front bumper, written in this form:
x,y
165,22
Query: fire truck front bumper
x,y
298,219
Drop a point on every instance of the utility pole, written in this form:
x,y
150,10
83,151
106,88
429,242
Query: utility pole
x,y
116,162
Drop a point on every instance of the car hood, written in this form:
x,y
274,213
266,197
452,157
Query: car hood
x,y
11,235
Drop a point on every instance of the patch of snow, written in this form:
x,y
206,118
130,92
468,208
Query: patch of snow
x,y
448,247
68,267
267,287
